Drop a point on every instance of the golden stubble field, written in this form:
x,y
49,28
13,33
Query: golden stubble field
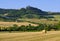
x,y
30,36
8,24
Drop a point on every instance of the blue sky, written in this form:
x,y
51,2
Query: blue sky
x,y
46,5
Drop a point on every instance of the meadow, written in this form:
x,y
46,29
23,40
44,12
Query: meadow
x,y
33,22
42,21
8,24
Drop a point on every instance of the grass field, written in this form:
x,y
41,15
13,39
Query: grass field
x,y
30,36
41,21
7,24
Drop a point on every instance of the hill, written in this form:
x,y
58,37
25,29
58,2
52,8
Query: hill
x,y
28,12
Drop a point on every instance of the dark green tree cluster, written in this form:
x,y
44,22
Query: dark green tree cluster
x,y
24,28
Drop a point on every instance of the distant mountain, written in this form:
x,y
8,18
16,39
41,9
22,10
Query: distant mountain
x,y
28,12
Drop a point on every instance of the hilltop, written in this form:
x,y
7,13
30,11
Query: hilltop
x,y
28,12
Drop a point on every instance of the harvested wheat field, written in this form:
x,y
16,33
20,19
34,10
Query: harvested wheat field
x,y
30,36
7,24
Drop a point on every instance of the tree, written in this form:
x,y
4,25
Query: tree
x,y
15,27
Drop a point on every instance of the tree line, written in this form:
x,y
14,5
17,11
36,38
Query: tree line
x,y
24,28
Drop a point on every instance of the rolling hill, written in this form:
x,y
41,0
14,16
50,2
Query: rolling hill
x,y
28,12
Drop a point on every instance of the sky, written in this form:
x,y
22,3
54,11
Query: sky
x,y
45,5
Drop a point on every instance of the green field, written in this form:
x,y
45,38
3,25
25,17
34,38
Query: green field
x,y
30,36
44,21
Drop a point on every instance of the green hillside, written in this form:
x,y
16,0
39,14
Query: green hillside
x,y
28,12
